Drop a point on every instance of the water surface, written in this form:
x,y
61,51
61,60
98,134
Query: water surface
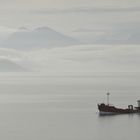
x,y
65,107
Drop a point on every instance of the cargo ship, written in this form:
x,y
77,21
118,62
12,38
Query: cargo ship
x,y
107,109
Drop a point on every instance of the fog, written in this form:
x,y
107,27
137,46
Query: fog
x,y
58,58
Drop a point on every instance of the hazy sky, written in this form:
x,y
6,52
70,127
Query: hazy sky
x,y
68,15
82,19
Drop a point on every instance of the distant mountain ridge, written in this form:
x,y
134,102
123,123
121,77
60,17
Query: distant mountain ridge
x,y
39,37
9,66
121,33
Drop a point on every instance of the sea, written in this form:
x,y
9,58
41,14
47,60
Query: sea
x,y
64,107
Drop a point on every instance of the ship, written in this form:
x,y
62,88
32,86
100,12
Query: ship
x,y
108,109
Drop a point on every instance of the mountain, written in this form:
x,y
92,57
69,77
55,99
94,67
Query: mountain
x,y
9,66
39,37
120,37
114,34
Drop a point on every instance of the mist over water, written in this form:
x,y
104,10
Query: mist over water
x,y
65,107
58,59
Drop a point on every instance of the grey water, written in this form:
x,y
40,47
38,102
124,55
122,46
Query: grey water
x,y
65,107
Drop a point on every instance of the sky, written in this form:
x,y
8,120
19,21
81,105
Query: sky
x,y
89,21
68,15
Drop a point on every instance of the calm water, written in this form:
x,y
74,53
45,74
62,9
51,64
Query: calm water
x,y
65,108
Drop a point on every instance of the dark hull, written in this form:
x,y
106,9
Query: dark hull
x,y
107,109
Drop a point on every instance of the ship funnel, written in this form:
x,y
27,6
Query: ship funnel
x,y
138,103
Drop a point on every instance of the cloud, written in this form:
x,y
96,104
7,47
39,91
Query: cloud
x,y
87,10
5,31
78,59
118,33
86,58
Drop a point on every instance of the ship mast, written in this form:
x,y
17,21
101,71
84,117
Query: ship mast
x,y
108,98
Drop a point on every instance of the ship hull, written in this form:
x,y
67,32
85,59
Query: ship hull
x,y
111,110
106,113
